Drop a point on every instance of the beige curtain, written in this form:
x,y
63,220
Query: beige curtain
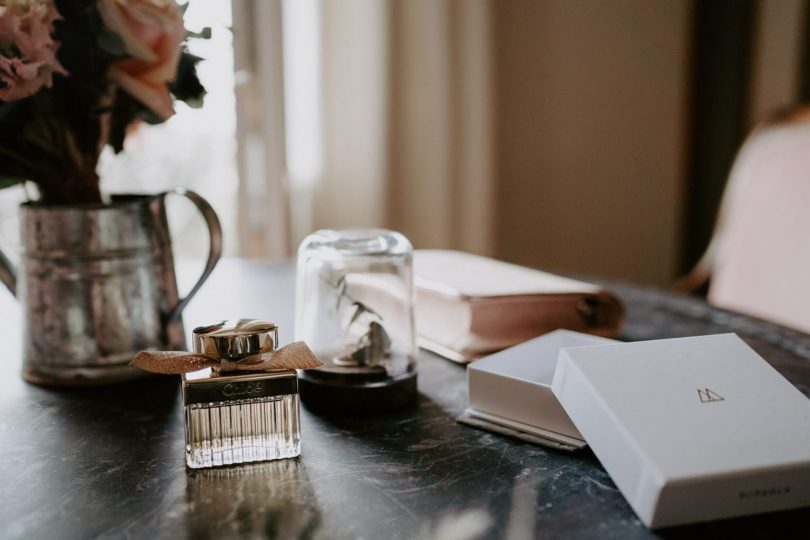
x,y
405,101
440,136
263,199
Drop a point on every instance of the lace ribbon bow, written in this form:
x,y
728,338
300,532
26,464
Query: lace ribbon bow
x,y
293,356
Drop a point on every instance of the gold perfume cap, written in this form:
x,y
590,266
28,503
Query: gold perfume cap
x,y
236,339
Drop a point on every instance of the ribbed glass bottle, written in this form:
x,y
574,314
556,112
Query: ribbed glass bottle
x,y
242,431
241,418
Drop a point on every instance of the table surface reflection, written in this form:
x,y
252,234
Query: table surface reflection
x,y
109,462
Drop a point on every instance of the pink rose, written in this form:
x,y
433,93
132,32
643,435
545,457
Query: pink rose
x,y
27,49
152,31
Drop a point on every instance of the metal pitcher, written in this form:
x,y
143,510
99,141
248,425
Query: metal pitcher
x,y
97,284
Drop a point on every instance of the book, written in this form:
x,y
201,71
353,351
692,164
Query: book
x,y
468,306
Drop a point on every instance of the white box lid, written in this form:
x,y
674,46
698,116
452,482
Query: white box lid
x,y
668,414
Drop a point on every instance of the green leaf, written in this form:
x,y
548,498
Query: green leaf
x,y
125,110
150,118
186,86
7,108
205,33
111,43
94,23
8,181
195,103
193,58
10,155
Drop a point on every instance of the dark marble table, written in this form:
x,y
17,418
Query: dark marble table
x,y
108,462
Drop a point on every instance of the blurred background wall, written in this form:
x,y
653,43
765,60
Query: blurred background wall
x,y
618,123
592,101
580,136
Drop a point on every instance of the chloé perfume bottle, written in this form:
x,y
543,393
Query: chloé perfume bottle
x,y
236,414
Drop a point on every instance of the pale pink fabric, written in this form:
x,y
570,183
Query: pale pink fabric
x,y
762,259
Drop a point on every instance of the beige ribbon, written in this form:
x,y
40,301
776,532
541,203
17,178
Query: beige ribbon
x,y
293,356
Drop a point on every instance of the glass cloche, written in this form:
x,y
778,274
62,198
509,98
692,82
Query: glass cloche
x,y
354,308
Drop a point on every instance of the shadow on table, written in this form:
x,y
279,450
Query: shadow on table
x,y
124,417
787,524
101,457
419,471
155,394
417,467
134,422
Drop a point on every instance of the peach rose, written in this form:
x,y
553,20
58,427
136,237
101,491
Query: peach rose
x,y
152,31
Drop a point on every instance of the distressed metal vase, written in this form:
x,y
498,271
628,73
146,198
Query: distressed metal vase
x,y
97,284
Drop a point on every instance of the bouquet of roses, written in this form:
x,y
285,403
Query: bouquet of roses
x,y
75,75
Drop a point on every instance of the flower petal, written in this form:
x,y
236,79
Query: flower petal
x,y
154,96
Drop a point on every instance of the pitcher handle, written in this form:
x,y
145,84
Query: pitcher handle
x,y
8,274
214,250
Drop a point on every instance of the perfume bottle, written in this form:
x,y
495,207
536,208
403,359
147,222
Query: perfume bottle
x,y
233,414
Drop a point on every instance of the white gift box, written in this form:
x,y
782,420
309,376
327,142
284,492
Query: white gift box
x,y
690,429
511,390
